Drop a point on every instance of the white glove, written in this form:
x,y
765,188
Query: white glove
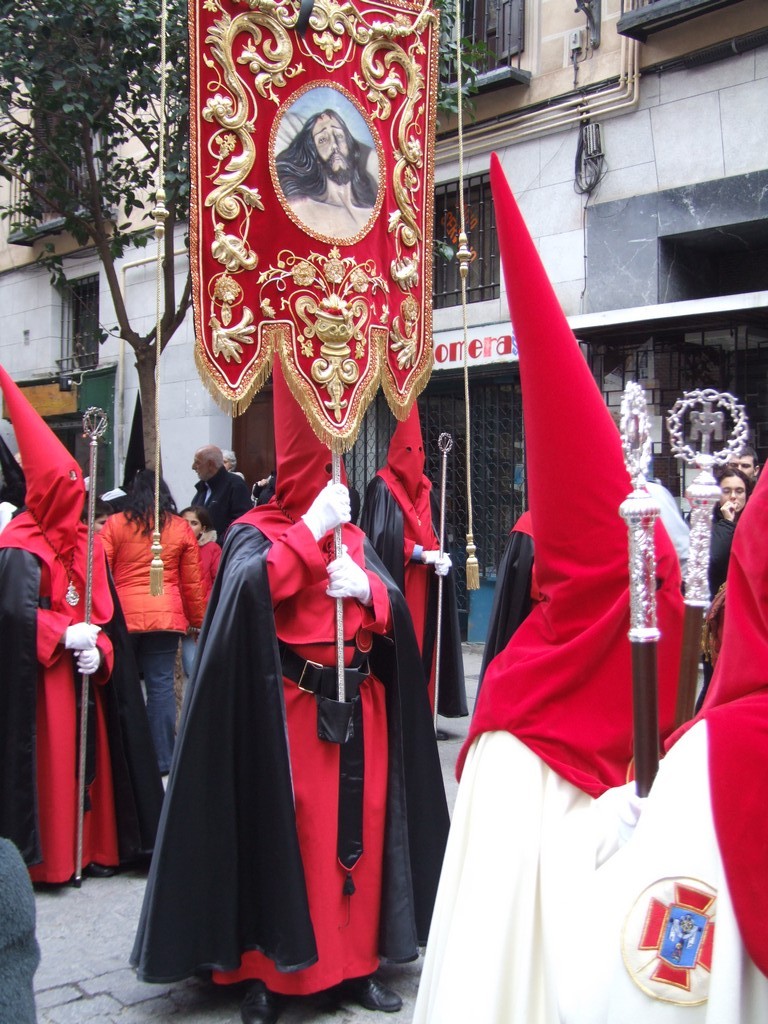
x,y
329,509
442,563
618,812
347,579
81,636
88,661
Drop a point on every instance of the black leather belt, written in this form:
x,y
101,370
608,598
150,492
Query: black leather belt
x,y
322,679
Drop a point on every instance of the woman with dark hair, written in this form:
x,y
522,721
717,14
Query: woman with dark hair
x,y
735,488
155,622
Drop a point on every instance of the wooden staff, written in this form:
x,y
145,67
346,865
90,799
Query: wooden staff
x,y
706,413
640,511
444,443
94,425
337,551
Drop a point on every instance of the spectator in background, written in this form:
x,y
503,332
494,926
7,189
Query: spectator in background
x,y
230,462
101,512
672,518
263,489
210,555
746,461
155,622
222,493
735,488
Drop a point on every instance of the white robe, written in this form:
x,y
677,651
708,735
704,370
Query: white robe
x,y
609,976
498,930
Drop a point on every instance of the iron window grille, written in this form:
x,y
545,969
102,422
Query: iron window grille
x,y
483,277
80,332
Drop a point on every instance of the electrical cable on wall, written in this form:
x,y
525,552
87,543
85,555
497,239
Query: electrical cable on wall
x,y
590,159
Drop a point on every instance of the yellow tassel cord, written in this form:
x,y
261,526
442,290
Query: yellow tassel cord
x,y
156,567
464,257
160,215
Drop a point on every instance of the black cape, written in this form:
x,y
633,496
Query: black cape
x,y
382,523
227,874
511,596
138,788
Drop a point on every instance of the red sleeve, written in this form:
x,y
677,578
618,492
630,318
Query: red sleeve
x,y
51,627
377,617
106,650
294,562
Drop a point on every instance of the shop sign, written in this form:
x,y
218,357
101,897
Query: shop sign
x,y
490,344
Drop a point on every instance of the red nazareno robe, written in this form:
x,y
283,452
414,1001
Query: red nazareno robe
x,y
57,719
346,927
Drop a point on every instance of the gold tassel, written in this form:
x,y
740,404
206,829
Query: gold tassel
x,y
473,566
156,568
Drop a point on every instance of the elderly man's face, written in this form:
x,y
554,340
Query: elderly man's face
x,y
203,466
331,143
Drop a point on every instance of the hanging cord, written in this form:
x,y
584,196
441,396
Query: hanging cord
x,y
464,256
160,215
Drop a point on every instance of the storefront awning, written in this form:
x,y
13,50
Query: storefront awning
x,y
694,316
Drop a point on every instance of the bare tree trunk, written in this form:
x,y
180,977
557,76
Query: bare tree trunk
x,y
145,366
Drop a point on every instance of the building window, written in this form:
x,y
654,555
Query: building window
x,y
499,24
80,331
483,277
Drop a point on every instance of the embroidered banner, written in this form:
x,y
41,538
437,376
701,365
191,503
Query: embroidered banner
x,y
312,208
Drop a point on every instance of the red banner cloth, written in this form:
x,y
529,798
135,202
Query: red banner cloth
x,y
312,203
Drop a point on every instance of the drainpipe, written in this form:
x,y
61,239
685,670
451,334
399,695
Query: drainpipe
x,y
565,112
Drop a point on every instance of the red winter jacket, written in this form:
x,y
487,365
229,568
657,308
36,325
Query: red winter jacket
x,y
129,553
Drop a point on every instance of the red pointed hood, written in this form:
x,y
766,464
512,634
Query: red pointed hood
x,y
403,474
303,464
405,458
55,490
563,684
302,461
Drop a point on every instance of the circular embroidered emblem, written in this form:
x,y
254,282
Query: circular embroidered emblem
x,y
667,940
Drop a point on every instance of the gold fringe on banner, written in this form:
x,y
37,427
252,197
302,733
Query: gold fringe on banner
x,y
233,406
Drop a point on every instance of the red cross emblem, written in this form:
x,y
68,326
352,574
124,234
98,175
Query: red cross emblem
x,y
668,939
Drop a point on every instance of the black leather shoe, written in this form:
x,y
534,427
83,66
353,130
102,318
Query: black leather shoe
x,y
99,870
372,995
260,1006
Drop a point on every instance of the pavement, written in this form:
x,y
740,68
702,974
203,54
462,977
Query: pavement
x,y
86,936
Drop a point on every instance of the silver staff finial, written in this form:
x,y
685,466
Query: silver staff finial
x,y
94,423
706,411
635,433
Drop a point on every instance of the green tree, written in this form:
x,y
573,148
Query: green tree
x,y
79,116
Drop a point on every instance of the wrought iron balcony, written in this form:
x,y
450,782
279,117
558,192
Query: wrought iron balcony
x,y
497,29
